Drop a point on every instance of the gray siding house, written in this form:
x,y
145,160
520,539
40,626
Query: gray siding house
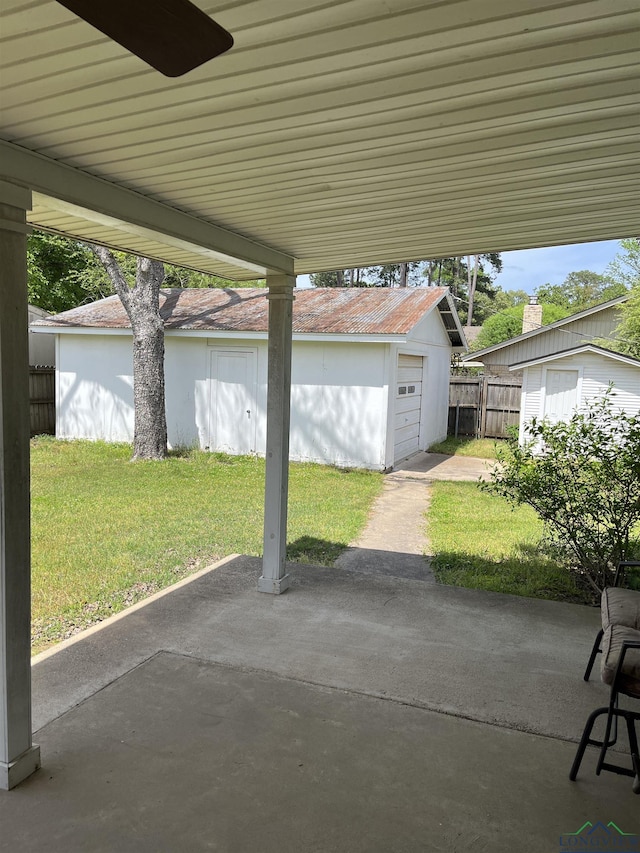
x,y
592,325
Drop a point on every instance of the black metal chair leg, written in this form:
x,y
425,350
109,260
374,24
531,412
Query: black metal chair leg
x,y
586,741
635,754
612,722
595,651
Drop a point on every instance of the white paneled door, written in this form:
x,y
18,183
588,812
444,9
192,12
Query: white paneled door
x,y
561,394
232,400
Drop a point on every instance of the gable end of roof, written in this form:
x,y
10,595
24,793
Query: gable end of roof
x,y
568,353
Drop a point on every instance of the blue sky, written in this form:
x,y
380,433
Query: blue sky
x,y
529,268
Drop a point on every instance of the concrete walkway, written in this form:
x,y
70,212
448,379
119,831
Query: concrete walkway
x,y
395,542
438,466
354,713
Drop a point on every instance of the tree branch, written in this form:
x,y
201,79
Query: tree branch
x,y
114,272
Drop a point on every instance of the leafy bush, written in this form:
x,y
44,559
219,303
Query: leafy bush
x,y
582,477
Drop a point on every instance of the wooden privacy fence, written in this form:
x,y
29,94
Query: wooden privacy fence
x,y
484,406
42,396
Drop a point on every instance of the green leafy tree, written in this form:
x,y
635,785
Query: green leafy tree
x,y
625,267
510,298
628,332
470,279
384,275
580,290
508,324
582,477
62,273
332,278
486,306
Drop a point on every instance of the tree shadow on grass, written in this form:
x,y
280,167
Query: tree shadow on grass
x,y
319,552
528,573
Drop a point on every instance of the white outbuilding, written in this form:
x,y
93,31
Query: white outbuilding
x,y
370,371
557,385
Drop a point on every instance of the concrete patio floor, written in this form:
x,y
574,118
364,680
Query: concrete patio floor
x,y
354,713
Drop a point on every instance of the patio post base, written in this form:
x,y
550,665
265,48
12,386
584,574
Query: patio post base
x,y
14,772
273,585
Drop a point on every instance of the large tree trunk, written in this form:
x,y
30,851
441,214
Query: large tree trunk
x,y
142,304
150,429
404,275
430,268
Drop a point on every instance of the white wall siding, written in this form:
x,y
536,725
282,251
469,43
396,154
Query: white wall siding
x,y
530,396
338,399
338,403
599,372
186,389
94,388
342,408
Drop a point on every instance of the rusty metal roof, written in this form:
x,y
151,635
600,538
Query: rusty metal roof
x,y
343,311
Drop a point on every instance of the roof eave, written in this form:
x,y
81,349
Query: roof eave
x,y
234,334
590,348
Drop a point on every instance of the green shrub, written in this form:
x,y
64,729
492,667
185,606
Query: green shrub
x,y
582,477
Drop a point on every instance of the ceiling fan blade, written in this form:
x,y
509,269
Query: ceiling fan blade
x,y
173,36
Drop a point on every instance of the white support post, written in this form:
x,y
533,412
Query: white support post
x,y
19,757
274,578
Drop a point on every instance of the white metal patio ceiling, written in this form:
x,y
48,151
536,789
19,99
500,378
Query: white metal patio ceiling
x,y
336,134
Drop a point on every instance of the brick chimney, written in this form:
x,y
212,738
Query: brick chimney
x,y
532,316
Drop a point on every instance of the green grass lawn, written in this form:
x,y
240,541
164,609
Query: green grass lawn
x,y
107,532
483,448
480,542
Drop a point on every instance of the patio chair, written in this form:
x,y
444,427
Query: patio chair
x,y
619,643
618,607
620,669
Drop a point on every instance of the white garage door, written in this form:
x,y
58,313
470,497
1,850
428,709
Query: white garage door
x,y
408,406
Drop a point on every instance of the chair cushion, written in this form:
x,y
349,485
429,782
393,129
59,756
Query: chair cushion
x,y
620,607
612,641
